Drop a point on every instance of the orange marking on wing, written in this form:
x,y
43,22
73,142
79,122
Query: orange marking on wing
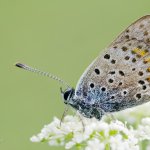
x,y
148,79
148,69
146,60
140,52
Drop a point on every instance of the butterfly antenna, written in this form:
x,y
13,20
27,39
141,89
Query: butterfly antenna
x,y
47,74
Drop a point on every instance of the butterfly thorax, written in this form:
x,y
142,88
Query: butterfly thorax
x,y
81,105
87,110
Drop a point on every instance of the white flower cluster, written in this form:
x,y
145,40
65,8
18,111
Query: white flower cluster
x,y
97,135
100,135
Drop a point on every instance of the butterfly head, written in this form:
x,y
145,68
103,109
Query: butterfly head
x,y
67,95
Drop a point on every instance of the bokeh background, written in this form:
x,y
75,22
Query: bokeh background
x,y
62,37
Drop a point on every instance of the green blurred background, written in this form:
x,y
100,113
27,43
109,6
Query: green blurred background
x,y
62,37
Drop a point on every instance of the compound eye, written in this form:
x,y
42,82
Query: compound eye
x,y
66,95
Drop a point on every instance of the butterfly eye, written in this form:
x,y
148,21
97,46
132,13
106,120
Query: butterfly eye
x,y
68,94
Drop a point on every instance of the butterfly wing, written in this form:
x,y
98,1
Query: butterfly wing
x,y
120,78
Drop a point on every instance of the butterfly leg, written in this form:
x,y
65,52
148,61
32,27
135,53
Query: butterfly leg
x,y
111,117
64,114
81,119
76,113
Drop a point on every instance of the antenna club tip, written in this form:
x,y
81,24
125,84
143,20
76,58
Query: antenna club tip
x,y
20,65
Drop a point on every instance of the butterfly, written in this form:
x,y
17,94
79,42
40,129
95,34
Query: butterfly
x,y
116,80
